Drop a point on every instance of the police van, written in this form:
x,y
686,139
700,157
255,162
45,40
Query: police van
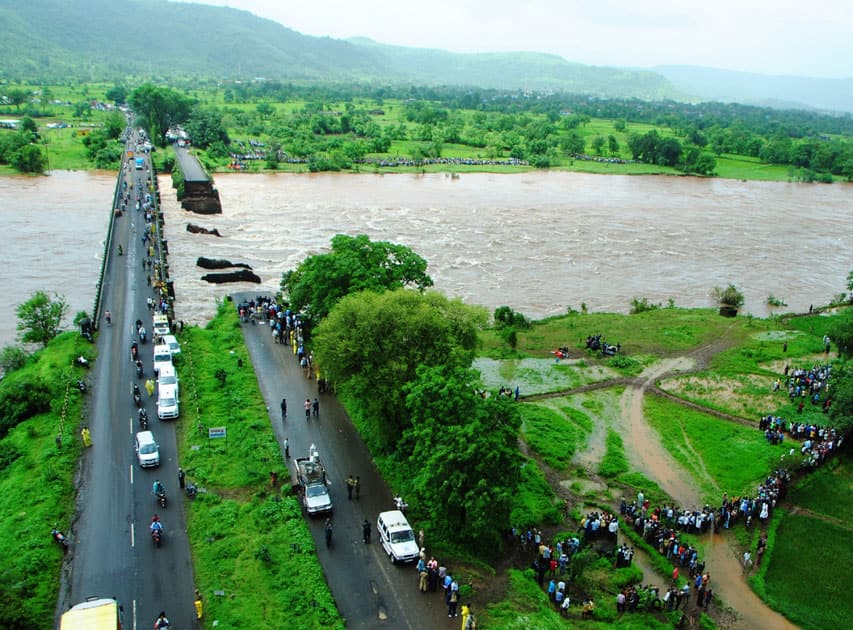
x,y
397,537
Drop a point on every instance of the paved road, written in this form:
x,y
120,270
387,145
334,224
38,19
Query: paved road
x,y
190,166
113,555
369,591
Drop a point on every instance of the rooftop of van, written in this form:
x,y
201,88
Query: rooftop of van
x,y
394,518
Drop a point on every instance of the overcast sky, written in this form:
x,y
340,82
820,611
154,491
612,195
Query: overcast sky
x,y
800,37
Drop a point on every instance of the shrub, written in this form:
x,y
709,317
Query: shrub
x,y
21,400
12,358
505,317
642,305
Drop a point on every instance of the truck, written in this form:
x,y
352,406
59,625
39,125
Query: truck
x,y
96,613
139,163
311,483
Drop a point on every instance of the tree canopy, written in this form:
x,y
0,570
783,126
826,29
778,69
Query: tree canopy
x,y
841,411
371,345
160,108
40,317
463,454
355,264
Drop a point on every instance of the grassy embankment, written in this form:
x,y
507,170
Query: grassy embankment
x,y
248,539
37,481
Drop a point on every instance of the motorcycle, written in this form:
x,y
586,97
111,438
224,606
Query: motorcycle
x,y
143,419
134,351
139,369
137,397
82,362
143,335
81,386
120,251
400,504
157,536
191,489
60,539
161,499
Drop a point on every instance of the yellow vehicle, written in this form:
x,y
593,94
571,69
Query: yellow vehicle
x,y
96,613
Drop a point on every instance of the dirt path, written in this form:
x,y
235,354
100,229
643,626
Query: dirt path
x,y
729,583
642,443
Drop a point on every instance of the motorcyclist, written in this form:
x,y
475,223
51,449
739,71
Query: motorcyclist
x,y
156,524
109,318
162,621
120,251
157,488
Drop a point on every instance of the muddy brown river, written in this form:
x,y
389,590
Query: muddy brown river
x,y
539,242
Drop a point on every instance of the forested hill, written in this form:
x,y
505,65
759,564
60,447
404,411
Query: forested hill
x,y
109,40
761,89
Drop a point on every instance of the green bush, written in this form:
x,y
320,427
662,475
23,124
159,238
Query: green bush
x,y
20,399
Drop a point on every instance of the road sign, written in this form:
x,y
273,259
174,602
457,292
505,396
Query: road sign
x,y
216,432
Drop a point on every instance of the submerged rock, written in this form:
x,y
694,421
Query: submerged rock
x,y
197,229
242,275
218,263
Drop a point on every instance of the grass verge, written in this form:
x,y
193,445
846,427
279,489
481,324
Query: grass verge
x,y
37,484
248,539
554,433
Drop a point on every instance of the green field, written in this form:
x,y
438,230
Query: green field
x,y
721,456
808,576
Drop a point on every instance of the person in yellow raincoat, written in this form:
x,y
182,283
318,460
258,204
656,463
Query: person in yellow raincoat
x,y
199,604
149,387
87,437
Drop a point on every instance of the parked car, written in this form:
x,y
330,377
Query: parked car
x,y
162,356
397,537
168,377
147,450
167,402
172,342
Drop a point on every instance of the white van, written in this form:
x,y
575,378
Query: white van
x,y
162,356
167,402
161,325
147,450
397,537
167,377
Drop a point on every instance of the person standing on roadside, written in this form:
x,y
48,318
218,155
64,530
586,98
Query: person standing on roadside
x,y
286,448
315,406
365,531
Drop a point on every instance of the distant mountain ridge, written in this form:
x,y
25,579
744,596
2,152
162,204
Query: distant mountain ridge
x,y
761,89
156,39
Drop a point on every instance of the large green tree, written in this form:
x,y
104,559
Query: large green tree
x,y
355,264
160,108
841,411
371,345
40,317
205,127
841,333
464,459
